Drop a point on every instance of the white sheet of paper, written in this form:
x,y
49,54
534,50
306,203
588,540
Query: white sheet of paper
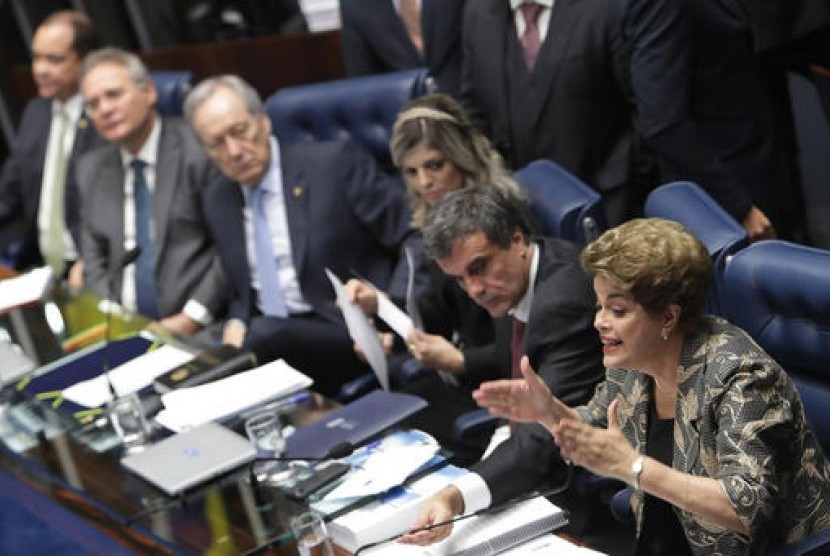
x,y
185,408
393,316
383,470
362,332
131,376
24,289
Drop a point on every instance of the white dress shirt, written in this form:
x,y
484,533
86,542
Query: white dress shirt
x,y
543,22
73,108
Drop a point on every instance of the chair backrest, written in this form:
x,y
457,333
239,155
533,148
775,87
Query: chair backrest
x,y
564,206
722,235
172,88
362,109
779,292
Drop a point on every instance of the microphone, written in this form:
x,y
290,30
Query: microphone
x,y
492,509
338,451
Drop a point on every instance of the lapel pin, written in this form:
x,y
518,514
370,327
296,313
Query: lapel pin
x,y
82,123
298,191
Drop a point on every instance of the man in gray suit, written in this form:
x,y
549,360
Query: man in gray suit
x,y
142,190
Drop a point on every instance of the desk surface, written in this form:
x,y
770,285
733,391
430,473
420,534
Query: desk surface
x,y
49,460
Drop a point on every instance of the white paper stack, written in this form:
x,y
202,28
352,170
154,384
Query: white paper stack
x,y
24,289
189,407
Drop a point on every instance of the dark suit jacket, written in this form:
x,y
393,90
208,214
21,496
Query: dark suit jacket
x,y
186,263
582,117
702,102
375,40
22,177
565,350
447,310
342,215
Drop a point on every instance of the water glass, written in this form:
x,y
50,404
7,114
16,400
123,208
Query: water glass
x,y
126,415
311,534
264,430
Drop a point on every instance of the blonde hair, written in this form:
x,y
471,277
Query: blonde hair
x,y
660,262
440,123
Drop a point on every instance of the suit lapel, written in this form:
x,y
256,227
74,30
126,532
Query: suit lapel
x,y
553,51
167,172
494,32
438,30
112,191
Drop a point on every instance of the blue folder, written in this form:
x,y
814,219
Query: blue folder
x,y
355,423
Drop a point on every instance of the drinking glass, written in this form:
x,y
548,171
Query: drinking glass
x,y
264,430
126,415
311,534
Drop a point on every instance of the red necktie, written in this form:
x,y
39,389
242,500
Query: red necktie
x,y
531,39
516,348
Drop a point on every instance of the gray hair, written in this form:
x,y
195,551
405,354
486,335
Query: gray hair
x,y
110,55
472,209
206,88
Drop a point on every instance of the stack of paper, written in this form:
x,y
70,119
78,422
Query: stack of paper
x,y
132,376
24,289
188,407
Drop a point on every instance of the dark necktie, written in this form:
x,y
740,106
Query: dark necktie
x,y
145,266
271,298
531,39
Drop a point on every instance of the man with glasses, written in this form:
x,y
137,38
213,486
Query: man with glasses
x,y
280,215
142,190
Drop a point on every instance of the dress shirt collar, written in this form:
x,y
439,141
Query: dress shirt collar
x,y
149,150
515,4
73,107
522,309
397,4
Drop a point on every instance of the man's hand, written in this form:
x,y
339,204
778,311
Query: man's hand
x,y
181,324
363,295
234,333
757,225
442,506
435,352
75,277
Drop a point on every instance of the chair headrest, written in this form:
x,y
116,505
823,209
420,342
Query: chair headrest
x,y
172,88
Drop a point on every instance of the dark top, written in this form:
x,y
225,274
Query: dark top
x,y
662,533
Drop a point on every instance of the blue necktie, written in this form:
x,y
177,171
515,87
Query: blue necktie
x,y
271,297
145,266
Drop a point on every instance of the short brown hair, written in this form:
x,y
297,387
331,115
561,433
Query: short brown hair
x,y
658,261
84,37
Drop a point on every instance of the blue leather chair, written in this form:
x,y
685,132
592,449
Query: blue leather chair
x,y
362,109
172,88
687,203
779,292
564,206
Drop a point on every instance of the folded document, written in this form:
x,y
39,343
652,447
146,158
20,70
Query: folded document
x,y
188,407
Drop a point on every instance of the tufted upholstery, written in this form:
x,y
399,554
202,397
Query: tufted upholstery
x,y
360,108
687,203
779,292
172,88
564,206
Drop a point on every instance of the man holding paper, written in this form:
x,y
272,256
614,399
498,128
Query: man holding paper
x,y
280,215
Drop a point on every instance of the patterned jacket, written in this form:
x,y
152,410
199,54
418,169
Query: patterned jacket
x,y
739,420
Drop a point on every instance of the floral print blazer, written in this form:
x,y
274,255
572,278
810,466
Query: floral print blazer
x,y
739,420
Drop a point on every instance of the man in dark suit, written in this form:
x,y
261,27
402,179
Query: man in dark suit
x,y
571,105
142,189
375,39
281,214
480,238
704,107
52,134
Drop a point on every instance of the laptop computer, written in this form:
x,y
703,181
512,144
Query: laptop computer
x,y
188,459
